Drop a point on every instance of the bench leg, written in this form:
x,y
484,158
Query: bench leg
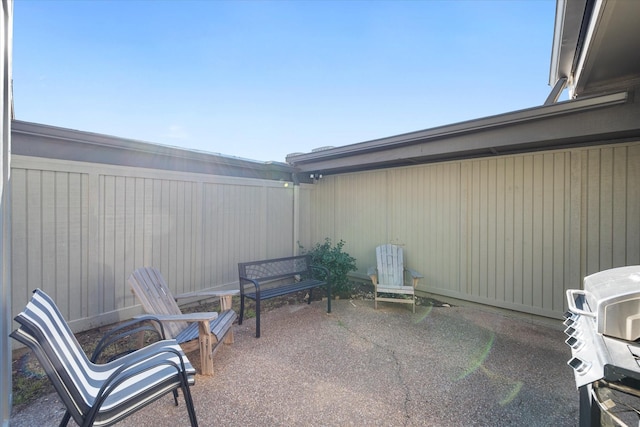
x,y
310,296
258,317
205,340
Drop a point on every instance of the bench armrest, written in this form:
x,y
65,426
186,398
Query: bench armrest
x,y
323,269
254,282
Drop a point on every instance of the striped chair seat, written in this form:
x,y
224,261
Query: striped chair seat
x,y
101,394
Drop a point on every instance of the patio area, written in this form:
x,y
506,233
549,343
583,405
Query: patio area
x,y
443,366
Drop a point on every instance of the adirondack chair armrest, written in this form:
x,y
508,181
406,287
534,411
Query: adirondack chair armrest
x,y
372,272
415,276
224,295
187,317
203,294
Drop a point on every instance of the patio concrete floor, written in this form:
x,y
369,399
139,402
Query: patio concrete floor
x,y
443,366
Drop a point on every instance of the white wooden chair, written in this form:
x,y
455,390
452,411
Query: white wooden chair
x,y
388,277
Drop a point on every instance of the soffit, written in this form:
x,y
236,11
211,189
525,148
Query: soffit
x,y
596,45
600,119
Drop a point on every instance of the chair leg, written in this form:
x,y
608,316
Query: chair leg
x,y
241,310
228,339
188,400
65,419
205,341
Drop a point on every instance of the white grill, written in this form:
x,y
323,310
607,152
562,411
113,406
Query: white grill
x,y
603,329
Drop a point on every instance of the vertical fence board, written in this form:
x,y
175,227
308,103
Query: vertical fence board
x,y
618,207
633,206
554,297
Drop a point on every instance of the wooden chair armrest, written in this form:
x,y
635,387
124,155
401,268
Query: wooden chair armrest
x,y
372,272
224,295
414,274
187,317
201,294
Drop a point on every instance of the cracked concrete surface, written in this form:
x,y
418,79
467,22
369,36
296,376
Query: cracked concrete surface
x,y
443,366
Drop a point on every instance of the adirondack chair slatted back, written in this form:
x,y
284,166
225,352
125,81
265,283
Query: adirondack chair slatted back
x,y
103,394
390,265
151,289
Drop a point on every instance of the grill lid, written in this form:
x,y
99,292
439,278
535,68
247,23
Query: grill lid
x,y
612,297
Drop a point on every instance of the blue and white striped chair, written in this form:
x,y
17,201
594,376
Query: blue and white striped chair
x,y
101,394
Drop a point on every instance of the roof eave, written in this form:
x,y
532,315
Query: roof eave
x,y
566,36
37,140
443,132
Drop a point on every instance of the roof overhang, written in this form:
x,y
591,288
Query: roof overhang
x,y
37,140
596,45
600,119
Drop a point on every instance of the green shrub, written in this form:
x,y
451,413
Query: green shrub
x,y
338,263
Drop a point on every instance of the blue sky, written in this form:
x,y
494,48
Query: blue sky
x,y
261,79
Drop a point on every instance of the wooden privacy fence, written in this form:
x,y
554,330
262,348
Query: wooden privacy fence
x,y
79,229
509,231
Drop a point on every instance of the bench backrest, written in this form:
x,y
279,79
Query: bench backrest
x,y
274,269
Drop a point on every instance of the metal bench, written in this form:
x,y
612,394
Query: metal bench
x,y
270,278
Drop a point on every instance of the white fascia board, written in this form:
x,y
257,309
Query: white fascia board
x,y
556,48
587,46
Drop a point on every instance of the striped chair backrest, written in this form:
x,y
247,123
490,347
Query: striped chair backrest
x,y
45,331
100,394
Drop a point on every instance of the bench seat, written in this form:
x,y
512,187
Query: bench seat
x,y
286,289
270,278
